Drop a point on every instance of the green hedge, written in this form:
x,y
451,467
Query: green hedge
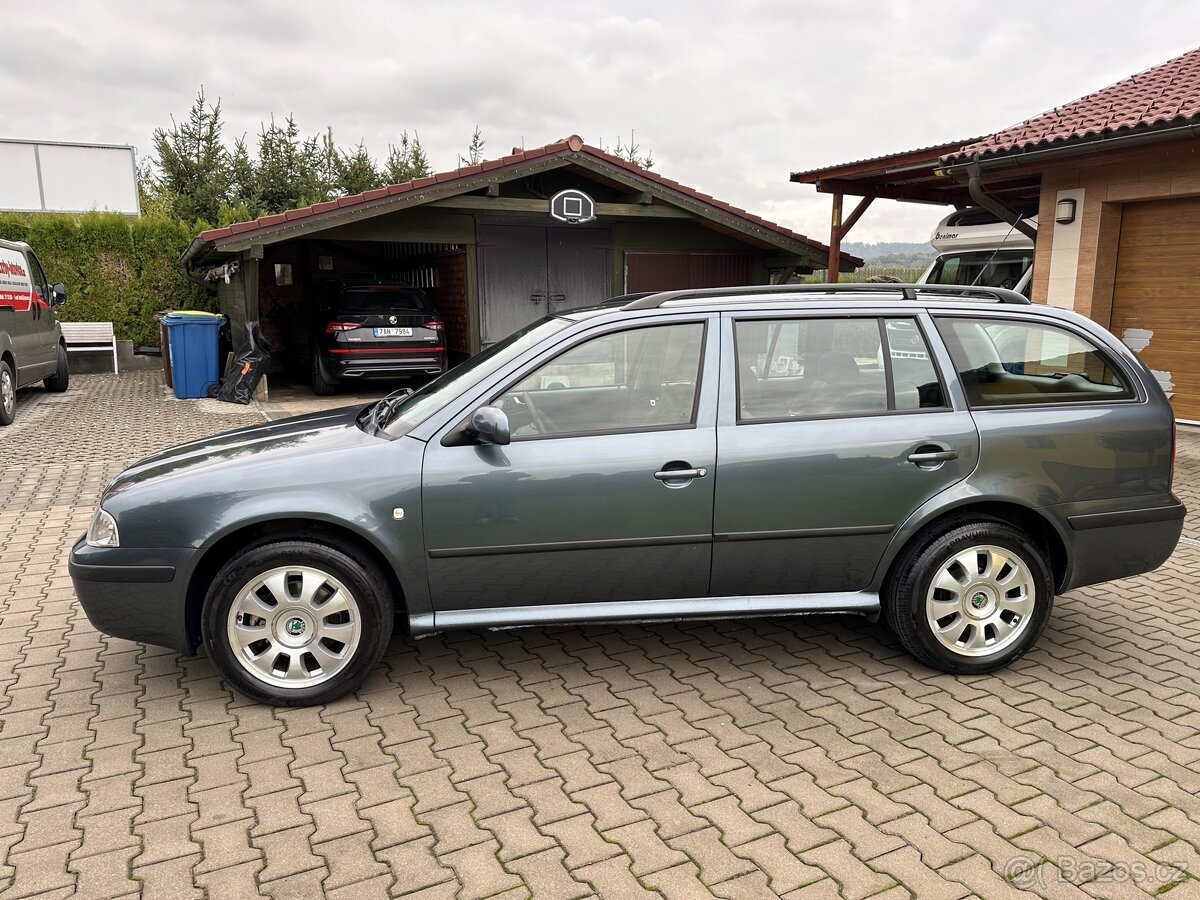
x,y
116,268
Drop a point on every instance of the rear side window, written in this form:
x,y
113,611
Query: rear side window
x,y
810,367
1011,363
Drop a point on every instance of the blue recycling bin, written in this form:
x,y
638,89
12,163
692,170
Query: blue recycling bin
x,y
193,337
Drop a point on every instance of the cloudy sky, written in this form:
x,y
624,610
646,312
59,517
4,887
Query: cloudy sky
x,y
730,97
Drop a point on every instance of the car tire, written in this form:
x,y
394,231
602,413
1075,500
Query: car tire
x,y
271,631
58,382
8,393
972,599
321,386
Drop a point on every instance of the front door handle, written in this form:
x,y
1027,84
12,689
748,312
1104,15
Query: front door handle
x,y
680,474
558,298
537,298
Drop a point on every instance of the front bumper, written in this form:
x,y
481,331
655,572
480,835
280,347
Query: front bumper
x,y
139,595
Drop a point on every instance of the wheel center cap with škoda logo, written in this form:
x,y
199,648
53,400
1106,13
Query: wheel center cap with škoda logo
x,y
295,626
979,601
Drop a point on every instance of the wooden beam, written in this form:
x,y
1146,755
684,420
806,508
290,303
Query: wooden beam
x,y
856,215
835,241
523,205
493,190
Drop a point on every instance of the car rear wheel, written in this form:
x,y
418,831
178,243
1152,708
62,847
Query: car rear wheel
x,y
297,622
57,383
973,599
321,386
8,393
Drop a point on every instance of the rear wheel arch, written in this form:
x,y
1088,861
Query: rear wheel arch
x,y
1036,526
214,557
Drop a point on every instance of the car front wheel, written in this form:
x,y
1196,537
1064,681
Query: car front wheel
x,y
972,600
58,382
297,622
8,393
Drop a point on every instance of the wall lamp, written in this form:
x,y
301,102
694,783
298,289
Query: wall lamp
x,y
1064,211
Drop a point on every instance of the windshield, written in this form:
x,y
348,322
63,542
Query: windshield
x,y
358,301
986,268
446,388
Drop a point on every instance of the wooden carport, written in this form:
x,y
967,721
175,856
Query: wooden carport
x,y
915,176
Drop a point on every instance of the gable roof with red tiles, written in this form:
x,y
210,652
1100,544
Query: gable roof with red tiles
x,y
1162,96
441,184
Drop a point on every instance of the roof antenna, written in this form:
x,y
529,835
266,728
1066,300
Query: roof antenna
x,y
999,247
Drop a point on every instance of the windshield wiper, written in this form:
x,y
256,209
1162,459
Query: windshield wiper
x,y
381,412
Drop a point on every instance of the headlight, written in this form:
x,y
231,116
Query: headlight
x,y
103,530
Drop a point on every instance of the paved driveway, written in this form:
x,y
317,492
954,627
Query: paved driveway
x,y
752,759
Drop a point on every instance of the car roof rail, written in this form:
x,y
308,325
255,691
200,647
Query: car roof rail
x,y
798,291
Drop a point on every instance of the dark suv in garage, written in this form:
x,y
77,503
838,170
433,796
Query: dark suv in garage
x,y
695,454
378,330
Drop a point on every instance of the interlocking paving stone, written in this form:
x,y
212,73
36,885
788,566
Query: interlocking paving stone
x,y
771,758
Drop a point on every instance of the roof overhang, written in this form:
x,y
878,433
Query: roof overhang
x,y
914,176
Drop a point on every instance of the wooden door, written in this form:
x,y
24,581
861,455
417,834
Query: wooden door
x,y
578,269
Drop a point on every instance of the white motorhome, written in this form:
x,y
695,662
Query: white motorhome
x,y
975,247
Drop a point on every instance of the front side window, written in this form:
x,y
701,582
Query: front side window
x,y
38,277
800,368
1009,363
636,380
449,386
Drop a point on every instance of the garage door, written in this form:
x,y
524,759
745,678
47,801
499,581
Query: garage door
x,y
1156,300
646,271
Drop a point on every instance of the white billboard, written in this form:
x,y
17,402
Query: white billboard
x,y
45,176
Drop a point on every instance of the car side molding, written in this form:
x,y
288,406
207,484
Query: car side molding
x,y
631,611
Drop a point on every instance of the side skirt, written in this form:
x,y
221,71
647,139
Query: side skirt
x,y
501,617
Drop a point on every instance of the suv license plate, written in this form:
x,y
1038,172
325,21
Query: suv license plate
x,y
393,332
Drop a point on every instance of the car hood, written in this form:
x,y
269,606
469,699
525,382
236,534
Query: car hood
x,y
257,444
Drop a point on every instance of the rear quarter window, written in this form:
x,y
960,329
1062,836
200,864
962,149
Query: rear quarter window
x,y
1005,362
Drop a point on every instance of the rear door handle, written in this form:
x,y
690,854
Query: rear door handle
x,y
932,456
680,474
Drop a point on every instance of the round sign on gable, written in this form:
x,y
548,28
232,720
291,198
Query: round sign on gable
x,y
572,206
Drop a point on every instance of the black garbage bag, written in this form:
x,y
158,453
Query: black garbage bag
x,y
248,367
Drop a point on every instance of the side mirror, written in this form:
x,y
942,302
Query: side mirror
x,y
58,294
489,425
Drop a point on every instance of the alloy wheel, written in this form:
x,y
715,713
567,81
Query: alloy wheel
x,y
980,600
294,627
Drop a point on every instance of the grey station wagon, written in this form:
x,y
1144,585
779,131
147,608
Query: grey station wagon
x,y
947,458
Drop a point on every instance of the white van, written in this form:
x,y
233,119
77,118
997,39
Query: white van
x,y
31,341
975,247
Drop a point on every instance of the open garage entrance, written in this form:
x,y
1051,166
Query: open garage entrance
x,y
493,247
294,276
